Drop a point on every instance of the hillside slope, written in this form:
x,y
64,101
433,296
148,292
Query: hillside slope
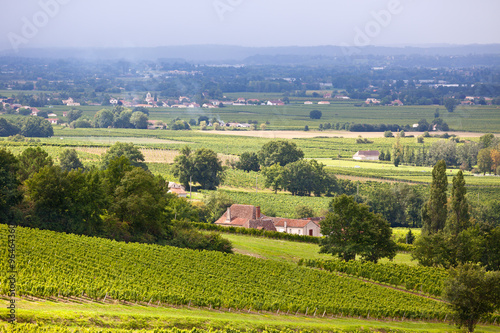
x,y
56,264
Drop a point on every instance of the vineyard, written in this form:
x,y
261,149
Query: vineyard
x,y
33,328
421,279
51,264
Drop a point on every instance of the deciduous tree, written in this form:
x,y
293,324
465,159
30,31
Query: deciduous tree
x,y
281,152
128,150
31,161
472,294
351,229
9,184
69,160
248,162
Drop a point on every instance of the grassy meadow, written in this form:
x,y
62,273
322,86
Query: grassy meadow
x,y
295,116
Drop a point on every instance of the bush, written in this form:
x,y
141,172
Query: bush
x,y
388,134
257,232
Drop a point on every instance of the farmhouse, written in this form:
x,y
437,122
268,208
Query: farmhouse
x,y
248,216
177,189
70,102
245,216
308,102
309,227
366,155
278,102
323,103
397,102
372,101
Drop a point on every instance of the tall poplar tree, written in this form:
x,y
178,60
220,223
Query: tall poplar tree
x,y
459,219
435,211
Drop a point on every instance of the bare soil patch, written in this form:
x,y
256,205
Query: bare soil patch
x,y
153,155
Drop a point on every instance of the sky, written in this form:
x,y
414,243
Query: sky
x,y
255,23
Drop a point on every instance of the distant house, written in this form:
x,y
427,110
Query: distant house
x,y
372,101
70,102
397,102
53,121
241,100
34,111
240,125
248,216
308,102
366,155
341,97
113,101
274,103
327,96
323,102
177,189
209,106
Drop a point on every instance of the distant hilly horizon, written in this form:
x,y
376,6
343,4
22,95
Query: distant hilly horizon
x,y
230,54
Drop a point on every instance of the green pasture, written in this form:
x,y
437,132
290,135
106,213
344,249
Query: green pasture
x,y
296,116
286,251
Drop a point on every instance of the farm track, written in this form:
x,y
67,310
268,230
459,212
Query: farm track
x,y
330,134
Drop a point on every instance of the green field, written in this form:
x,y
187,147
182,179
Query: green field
x,y
286,251
296,116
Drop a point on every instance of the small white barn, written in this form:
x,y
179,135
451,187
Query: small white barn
x,y
366,155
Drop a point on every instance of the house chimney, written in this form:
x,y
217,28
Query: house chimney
x,y
228,215
285,227
257,212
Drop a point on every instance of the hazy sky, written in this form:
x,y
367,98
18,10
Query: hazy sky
x,y
113,23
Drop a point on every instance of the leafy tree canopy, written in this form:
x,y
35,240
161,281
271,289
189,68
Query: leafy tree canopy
x,y
248,162
128,150
279,152
31,161
472,294
351,229
69,160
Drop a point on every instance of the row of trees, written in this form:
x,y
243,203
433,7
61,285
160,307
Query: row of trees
x,y
119,117
31,126
121,199
449,235
466,155
284,168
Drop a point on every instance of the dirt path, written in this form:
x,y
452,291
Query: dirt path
x,y
366,179
329,134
